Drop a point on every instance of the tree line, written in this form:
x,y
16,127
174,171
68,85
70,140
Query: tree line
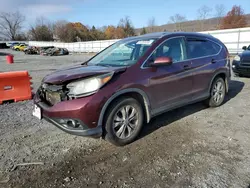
x,y
11,26
235,18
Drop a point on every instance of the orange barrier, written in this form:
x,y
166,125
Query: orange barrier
x,y
15,86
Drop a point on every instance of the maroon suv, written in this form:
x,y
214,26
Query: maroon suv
x,y
124,86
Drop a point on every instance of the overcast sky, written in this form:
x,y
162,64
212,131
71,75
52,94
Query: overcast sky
x,y
106,12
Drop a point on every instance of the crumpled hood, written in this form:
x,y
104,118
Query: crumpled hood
x,y
79,71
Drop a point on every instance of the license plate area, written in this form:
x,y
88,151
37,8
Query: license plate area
x,y
37,112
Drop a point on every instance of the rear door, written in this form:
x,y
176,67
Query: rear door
x,y
204,54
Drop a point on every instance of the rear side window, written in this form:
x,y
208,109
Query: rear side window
x,y
200,48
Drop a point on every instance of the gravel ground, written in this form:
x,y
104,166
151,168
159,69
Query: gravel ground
x,y
193,146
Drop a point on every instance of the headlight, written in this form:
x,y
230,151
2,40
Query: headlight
x,y
237,58
88,86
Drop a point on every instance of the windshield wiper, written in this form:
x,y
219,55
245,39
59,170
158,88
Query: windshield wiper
x,y
103,65
85,63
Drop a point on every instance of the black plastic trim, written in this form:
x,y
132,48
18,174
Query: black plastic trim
x,y
93,132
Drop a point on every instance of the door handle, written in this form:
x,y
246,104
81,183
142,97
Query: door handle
x,y
213,61
186,67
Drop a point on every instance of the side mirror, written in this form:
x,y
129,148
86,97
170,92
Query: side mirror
x,y
244,48
162,61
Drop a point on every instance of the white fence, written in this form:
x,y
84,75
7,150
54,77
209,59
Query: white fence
x,y
234,39
90,46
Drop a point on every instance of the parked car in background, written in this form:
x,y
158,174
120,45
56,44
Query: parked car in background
x,y
55,51
124,86
44,48
241,63
20,47
31,50
11,44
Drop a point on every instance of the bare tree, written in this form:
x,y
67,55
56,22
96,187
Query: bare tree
x,y
42,31
126,24
204,13
151,25
11,24
177,19
60,30
143,31
220,12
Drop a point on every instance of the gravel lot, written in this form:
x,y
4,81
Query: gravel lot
x,y
189,147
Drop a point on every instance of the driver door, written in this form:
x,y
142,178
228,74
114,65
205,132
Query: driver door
x,y
171,85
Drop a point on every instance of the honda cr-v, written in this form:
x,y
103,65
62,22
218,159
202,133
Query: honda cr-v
x,y
116,92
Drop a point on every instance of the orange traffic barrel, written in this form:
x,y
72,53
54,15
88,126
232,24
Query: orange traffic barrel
x,y
10,59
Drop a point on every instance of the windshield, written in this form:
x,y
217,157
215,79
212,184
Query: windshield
x,y
122,53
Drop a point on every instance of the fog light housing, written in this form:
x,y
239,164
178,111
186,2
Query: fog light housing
x,y
73,123
233,66
70,123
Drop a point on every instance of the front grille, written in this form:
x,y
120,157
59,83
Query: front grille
x,y
245,63
52,97
244,70
52,94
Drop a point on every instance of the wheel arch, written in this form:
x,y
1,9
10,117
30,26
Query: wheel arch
x,y
132,92
223,75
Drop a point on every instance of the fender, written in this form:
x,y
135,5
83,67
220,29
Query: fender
x,y
121,92
216,74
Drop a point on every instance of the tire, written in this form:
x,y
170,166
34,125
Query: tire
x,y
219,89
119,129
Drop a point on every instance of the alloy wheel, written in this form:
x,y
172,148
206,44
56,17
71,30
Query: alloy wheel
x,y
218,92
125,121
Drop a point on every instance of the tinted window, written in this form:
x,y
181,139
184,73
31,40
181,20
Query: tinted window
x,y
201,48
174,48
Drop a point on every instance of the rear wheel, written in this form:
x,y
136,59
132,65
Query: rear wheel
x,y
124,121
217,93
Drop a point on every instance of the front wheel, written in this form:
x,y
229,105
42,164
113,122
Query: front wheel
x,y
124,121
217,93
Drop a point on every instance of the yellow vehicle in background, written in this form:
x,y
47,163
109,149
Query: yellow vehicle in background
x,y
20,47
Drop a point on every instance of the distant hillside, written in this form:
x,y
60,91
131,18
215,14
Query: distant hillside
x,y
189,26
